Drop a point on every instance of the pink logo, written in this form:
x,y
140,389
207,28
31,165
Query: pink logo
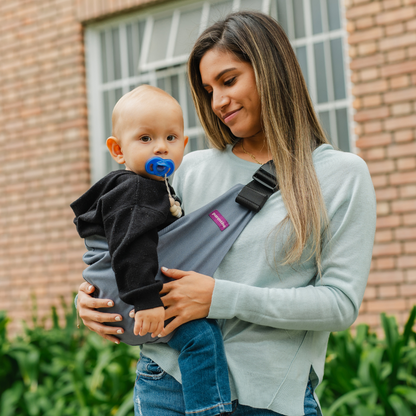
x,y
219,220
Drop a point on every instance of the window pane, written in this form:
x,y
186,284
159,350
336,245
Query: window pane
x,y
174,85
325,123
188,31
303,62
320,72
103,57
316,16
134,32
108,104
338,68
116,53
219,10
342,129
160,38
281,15
298,14
161,84
334,22
192,118
251,5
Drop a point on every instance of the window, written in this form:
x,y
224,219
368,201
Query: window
x,y
152,47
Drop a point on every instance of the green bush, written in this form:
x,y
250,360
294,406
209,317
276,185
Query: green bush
x,y
64,371
365,376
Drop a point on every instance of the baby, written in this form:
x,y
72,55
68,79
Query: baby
x,y
128,208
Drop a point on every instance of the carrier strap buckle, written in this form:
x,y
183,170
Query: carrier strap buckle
x,y
256,193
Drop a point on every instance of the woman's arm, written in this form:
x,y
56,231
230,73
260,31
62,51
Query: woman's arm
x,y
93,319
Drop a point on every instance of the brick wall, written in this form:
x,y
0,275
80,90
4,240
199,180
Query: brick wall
x,y
44,153
382,38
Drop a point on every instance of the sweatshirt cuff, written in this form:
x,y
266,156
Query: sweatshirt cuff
x,y
224,300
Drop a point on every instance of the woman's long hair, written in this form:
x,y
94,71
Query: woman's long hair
x,y
290,125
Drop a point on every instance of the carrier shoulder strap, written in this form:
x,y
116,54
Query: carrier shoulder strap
x,y
255,194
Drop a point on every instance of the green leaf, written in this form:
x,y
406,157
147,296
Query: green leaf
x,y
348,398
407,392
399,406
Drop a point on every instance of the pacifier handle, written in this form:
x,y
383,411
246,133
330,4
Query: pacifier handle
x,y
159,167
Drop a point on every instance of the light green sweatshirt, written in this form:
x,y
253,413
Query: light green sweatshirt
x,y
276,324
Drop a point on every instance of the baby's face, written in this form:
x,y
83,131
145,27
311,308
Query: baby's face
x,y
150,128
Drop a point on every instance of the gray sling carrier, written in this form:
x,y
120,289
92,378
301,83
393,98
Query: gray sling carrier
x,y
198,241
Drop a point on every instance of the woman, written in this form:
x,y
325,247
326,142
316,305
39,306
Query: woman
x,y
299,269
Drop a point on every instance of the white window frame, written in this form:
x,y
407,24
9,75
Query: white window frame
x,y
96,85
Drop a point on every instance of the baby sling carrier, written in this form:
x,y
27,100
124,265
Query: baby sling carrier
x,y
198,241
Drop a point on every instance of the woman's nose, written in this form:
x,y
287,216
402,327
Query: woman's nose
x,y
219,101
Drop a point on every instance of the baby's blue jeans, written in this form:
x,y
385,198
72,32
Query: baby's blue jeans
x,y
204,370
156,393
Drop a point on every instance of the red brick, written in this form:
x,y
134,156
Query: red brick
x,y
371,100
394,30
407,163
376,113
401,109
397,69
404,136
410,247
391,4
391,249
383,236
405,205
398,15
364,23
386,263
406,262
376,153
387,305
360,11
388,222
379,181
370,88
400,122
402,178
402,95
389,291
396,55
371,127
408,233
399,150
407,39
408,191
365,142
408,290
410,276
385,277
386,194
381,167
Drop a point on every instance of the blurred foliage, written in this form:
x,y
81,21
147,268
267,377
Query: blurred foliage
x,y
365,376
64,371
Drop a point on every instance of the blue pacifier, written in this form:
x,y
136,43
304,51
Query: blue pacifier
x,y
159,167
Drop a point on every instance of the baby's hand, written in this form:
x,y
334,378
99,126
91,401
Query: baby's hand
x,y
149,320
175,208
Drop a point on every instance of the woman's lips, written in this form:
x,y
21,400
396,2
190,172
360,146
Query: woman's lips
x,y
229,116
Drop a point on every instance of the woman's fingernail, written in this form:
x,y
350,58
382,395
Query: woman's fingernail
x,y
160,335
131,314
110,303
89,287
117,342
165,269
118,318
119,331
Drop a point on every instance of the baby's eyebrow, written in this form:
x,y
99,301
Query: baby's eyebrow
x,y
224,71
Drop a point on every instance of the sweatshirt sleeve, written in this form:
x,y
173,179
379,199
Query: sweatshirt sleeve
x,y
333,301
132,235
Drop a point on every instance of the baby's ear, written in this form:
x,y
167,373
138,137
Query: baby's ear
x,y
115,150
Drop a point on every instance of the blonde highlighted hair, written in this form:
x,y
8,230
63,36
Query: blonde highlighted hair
x,y
290,125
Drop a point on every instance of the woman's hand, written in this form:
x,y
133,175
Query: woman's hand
x,y
93,319
187,298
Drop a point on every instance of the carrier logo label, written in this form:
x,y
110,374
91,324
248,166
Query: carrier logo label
x,y
219,220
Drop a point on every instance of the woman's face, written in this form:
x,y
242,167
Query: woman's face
x,y
232,87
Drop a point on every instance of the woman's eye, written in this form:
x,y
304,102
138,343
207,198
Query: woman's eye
x,y
171,138
145,139
229,81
